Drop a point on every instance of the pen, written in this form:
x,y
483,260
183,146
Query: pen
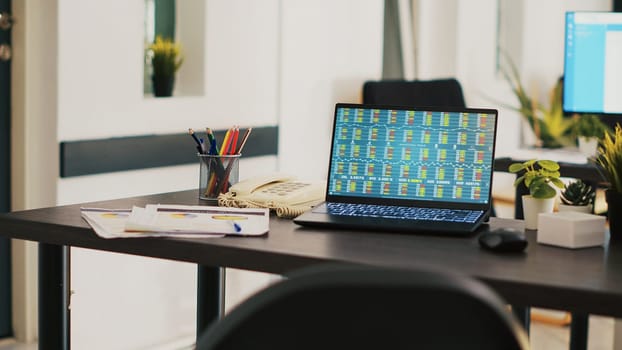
x,y
236,227
213,149
199,147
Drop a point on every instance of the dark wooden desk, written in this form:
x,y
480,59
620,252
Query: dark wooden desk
x,y
586,280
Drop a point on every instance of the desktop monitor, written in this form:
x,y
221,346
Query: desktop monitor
x,y
593,64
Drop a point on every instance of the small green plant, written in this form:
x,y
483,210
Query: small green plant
x,y
166,57
577,193
610,158
589,126
539,177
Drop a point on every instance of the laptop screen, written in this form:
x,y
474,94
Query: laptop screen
x,y
435,155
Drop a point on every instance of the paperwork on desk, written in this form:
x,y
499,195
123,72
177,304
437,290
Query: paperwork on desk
x,y
160,220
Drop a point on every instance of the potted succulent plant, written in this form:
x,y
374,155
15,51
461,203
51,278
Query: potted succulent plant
x,y
577,196
166,58
540,177
610,159
589,129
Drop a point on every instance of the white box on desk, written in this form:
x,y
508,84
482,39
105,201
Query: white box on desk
x,y
571,229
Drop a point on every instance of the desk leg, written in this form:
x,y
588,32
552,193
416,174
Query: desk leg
x,y
578,331
210,296
523,313
54,295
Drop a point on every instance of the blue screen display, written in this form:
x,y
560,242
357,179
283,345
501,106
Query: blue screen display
x,y
412,154
592,62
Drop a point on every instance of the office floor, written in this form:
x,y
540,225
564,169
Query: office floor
x,y
544,336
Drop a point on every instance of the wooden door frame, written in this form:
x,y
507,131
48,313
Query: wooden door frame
x,y
34,144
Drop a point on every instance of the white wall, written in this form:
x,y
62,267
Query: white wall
x,y
271,62
436,31
127,302
328,50
103,98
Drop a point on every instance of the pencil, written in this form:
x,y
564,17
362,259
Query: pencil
x,y
244,138
225,143
234,143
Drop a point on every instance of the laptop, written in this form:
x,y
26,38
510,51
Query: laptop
x,y
408,169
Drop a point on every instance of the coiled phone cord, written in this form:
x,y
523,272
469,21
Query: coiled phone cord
x,y
282,211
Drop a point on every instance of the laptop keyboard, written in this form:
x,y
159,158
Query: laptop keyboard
x,y
412,213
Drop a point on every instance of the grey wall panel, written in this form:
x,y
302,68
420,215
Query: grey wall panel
x,y
88,157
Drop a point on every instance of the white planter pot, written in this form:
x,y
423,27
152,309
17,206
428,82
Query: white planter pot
x,y
576,208
534,206
588,146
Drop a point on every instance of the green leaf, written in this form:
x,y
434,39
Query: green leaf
x,y
529,177
519,180
516,167
529,163
550,174
544,191
610,158
537,182
558,183
548,165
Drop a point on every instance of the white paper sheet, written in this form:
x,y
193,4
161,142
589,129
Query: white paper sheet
x,y
159,220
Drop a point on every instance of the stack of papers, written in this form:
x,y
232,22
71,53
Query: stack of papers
x,y
159,220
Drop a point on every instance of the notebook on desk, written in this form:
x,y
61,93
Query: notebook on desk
x,y
408,169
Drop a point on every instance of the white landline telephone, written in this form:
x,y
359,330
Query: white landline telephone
x,y
283,193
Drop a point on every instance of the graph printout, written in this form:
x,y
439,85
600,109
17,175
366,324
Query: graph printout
x,y
412,154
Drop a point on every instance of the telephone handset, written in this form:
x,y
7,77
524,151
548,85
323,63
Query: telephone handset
x,y
283,193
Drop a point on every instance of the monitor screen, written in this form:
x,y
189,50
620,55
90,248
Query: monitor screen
x,y
593,63
412,154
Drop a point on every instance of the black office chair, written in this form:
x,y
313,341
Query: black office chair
x,y
350,307
414,93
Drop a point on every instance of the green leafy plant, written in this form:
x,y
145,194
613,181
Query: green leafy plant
x,y
549,125
539,176
577,193
166,57
610,158
589,126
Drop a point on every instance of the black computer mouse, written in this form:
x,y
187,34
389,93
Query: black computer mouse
x,y
503,240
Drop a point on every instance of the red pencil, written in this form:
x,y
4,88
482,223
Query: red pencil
x,y
234,143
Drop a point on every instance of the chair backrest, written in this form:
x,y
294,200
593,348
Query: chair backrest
x,y
415,93
351,307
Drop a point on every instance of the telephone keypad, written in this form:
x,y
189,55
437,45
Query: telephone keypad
x,y
282,189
